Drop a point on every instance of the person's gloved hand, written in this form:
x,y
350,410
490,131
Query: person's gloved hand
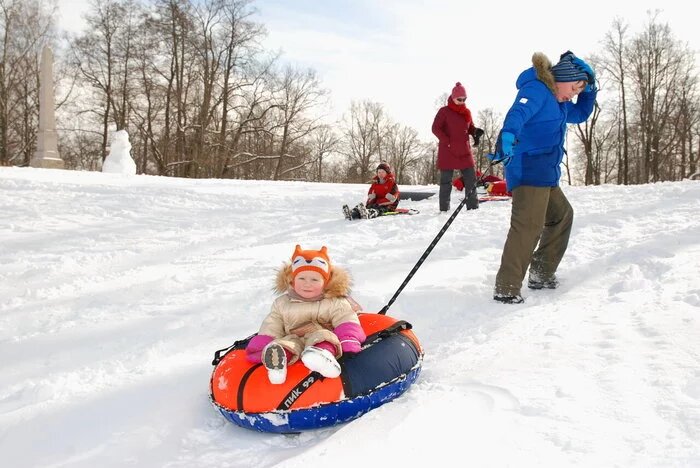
x,y
588,70
351,337
507,142
478,132
256,345
496,158
504,149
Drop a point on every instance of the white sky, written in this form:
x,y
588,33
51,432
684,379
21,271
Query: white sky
x,y
116,291
406,53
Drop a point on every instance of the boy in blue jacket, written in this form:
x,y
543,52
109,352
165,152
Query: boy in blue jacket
x,y
531,146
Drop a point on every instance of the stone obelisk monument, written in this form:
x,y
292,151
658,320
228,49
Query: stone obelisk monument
x,y
46,154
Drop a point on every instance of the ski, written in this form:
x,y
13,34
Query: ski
x,y
493,198
400,211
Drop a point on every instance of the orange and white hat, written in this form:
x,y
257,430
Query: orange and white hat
x,y
311,260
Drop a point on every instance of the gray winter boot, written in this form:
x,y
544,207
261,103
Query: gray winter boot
x,y
536,281
362,209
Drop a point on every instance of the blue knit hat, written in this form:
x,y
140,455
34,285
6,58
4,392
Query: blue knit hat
x,y
565,70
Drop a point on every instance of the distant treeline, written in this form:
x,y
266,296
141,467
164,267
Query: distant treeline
x,y
199,97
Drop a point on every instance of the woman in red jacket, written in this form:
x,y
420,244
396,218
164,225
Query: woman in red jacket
x,y
452,126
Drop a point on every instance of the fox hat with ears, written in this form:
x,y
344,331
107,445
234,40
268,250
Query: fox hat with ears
x,y
337,281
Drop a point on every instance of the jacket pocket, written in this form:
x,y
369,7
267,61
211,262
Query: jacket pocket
x,y
538,152
458,147
539,166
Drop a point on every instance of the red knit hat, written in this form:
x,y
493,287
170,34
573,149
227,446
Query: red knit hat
x,y
459,91
311,260
384,166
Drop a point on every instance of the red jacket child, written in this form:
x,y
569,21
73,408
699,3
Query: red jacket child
x,y
384,193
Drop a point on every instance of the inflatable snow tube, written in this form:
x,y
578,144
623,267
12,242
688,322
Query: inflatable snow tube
x,y
390,361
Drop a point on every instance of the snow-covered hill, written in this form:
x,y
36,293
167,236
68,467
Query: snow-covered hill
x,y
115,291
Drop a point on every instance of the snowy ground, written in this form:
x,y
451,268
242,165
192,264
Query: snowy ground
x,y
115,291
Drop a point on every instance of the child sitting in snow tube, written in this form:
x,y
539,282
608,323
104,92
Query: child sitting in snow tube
x,y
307,367
313,320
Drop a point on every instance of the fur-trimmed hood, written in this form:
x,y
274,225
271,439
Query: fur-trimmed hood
x,y
338,285
541,70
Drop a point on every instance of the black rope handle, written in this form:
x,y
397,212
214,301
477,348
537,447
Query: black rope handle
x,y
432,245
239,344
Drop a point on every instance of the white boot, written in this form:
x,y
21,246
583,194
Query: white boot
x,y
321,361
275,361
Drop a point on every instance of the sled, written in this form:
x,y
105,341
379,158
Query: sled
x,y
389,362
488,198
400,211
416,196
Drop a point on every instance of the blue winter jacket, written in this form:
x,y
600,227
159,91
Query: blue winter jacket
x,y
538,122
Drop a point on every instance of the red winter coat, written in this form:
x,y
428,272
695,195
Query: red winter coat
x,y
383,192
452,130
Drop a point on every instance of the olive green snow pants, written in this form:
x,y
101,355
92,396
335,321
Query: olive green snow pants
x,y
539,214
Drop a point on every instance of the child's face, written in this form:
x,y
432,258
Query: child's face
x,y
566,91
308,284
381,173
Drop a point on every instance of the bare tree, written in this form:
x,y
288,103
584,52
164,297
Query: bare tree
x,y
209,50
490,122
25,25
586,135
656,97
404,151
203,98
299,93
239,35
324,142
686,119
102,57
425,171
147,106
360,137
250,140
656,65
613,64
600,162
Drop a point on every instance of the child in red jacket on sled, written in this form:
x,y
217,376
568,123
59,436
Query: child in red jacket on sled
x,y
314,320
383,196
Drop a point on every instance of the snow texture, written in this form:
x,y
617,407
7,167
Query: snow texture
x,y
116,291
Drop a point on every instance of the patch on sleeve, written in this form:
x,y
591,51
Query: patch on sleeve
x,y
523,100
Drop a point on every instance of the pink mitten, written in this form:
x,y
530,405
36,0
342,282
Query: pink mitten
x,y
351,337
255,346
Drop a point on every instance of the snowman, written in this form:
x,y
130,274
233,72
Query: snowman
x,y
119,160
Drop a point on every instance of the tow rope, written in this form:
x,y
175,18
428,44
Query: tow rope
x,y
432,245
